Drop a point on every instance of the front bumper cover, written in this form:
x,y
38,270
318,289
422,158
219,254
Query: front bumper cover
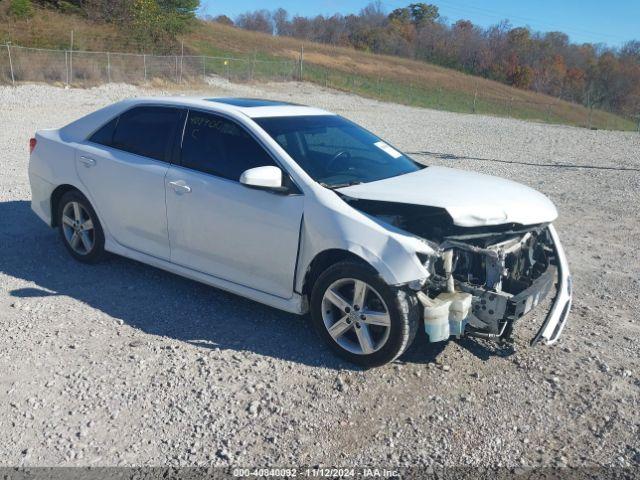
x,y
557,317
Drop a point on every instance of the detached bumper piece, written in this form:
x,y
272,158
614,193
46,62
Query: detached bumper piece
x,y
557,316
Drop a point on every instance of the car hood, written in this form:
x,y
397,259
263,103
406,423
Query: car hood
x,y
471,199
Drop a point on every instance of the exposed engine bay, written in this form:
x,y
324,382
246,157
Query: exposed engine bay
x,y
484,279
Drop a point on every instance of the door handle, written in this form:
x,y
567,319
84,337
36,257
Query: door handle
x,y
180,187
87,162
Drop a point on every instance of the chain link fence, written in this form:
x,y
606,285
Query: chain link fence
x,y
424,94
83,68
88,68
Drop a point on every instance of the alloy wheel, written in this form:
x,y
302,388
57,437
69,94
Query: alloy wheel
x,y
356,316
78,228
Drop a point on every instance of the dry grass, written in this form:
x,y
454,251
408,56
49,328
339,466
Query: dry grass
x,y
427,84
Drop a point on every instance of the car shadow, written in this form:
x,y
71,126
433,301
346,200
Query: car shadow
x,y
161,303
485,349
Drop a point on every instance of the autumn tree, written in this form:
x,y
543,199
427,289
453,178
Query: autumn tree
x,y
545,62
258,21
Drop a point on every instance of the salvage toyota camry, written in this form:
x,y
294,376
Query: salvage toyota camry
x,y
305,211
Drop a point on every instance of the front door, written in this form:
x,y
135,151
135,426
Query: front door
x,y
219,226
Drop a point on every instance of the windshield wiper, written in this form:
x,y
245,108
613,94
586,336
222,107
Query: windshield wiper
x,y
341,185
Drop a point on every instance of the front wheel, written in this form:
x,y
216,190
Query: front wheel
x,y
360,317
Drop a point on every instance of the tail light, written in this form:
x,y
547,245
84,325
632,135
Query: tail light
x,y
32,144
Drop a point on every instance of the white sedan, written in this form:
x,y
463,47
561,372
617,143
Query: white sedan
x,y
305,211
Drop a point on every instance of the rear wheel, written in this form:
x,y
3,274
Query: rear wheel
x,y
80,228
361,318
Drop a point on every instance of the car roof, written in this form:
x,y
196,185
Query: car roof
x,y
251,107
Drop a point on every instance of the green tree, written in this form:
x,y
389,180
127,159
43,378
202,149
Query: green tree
x,y
176,15
21,8
157,22
400,15
419,14
423,13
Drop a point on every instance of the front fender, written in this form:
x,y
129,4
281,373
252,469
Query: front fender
x,y
391,255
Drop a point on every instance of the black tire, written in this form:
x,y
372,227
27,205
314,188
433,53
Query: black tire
x,y
96,252
402,307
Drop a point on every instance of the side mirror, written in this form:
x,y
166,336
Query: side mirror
x,y
264,178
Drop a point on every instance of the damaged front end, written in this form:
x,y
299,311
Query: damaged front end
x,y
484,279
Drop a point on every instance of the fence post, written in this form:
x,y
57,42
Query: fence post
x,y
108,67
204,68
253,66
144,62
301,59
475,100
66,65
13,80
177,80
181,60
71,61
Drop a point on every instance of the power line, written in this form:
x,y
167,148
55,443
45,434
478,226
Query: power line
x,y
463,9
527,19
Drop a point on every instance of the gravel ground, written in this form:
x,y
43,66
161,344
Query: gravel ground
x,y
124,364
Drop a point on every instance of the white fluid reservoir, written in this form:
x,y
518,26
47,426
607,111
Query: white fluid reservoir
x,y
445,315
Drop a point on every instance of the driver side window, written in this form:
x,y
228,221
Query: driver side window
x,y
219,146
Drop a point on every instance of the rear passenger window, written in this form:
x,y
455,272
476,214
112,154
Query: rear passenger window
x,y
147,131
104,136
220,147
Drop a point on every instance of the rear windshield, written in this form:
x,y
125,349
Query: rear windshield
x,y
336,152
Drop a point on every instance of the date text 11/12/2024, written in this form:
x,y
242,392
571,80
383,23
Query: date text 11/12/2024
x,y
315,472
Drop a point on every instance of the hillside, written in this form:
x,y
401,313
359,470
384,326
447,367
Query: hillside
x,y
384,77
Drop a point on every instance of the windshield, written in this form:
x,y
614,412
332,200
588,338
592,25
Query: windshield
x,y
336,152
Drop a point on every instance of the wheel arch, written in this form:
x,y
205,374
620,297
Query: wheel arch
x,y
56,195
324,260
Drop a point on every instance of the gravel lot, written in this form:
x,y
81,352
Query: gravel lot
x,y
124,364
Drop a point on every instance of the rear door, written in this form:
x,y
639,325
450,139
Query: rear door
x,y
219,226
123,166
